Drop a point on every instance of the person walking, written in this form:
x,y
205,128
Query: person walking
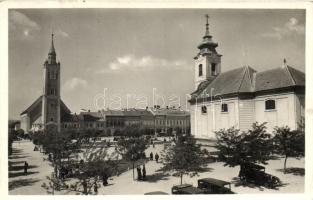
x,y
104,179
151,156
25,167
95,187
144,172
156,157
139,173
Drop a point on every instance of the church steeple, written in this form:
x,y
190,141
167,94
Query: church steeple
x,y
208,60
52,54
52,50
207,41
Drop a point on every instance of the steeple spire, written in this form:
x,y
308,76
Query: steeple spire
x,y
207,25
52,55
52,50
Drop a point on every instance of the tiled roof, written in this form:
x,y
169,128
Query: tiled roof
x,y
64,108
169,112
247,80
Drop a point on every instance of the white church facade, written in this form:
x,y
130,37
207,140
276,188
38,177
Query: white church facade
x,y
242,96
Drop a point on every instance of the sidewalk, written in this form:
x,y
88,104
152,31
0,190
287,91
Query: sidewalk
x,y
37,171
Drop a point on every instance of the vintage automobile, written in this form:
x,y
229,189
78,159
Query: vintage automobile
x,y
214,186
256,174
186,189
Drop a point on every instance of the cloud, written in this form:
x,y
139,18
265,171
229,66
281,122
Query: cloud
x,y
61,33
74,83
145,63
22,24
291,27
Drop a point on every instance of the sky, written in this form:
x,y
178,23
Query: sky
x,y
133,57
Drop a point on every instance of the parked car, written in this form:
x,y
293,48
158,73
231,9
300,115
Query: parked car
x,y
214,186
256,174
186,189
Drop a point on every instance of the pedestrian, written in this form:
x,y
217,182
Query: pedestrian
x,y
151,156
139,173
156,157
143,172
25,167
95,187
153,145
104,179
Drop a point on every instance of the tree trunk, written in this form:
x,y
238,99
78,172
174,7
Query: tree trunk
x,y
181,178
285,164
133,170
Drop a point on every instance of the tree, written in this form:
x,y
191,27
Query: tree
x,y
237,147
132,148
289,143
89,167
184,157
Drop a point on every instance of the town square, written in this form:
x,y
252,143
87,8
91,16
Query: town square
x,y
156,102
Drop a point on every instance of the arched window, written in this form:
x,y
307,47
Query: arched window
x,y
200,70
270,104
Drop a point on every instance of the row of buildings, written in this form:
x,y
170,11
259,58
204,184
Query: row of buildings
x,y
153,120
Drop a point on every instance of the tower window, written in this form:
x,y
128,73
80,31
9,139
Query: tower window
x,y
51,119
200,70
203,109
52,91
224,107
213,69
270,104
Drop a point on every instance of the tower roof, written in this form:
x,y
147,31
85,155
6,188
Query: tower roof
x,y
207,38
52,50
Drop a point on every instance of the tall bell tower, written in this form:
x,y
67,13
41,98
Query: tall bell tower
x,y
51,91
207,61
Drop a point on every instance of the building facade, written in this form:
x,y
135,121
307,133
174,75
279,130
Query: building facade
x,y
47,110
242,96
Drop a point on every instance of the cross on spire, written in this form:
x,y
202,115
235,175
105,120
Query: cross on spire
x,y
207,25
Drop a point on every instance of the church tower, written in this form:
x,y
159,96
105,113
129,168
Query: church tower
x,y
51,91
207,61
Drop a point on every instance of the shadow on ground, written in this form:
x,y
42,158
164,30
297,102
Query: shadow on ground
x,y
156,177
239,183
13,175
297,171
17,157
20,167
21,183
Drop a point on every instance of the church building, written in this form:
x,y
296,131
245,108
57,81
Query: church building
x,y
48,110
242,96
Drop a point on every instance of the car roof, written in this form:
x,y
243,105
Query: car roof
x,y
254,165
214,181
183,186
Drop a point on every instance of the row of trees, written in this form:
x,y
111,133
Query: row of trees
x,y
257,146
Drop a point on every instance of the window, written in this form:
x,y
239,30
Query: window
x,y
224,107
200,70
270,104
52,91
213,69
51,119
203,109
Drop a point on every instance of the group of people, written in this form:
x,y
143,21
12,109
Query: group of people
x,y
156,156
141,173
